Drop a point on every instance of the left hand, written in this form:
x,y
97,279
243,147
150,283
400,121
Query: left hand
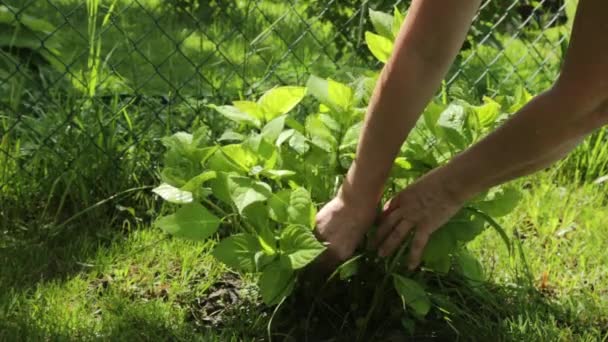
x,y
421,209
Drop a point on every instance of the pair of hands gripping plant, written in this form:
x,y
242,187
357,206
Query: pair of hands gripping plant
x,y
262,179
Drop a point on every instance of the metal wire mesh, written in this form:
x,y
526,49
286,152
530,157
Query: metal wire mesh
x,y
87,88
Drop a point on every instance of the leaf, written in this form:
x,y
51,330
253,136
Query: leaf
x,y
278,204
273,129
278,174
470,267
244,191
438,250
412,294
276,283
335,95
299,143
465,226
300,246
238,252
500,201
251,108
301,209
284,136
191,221
233,158
231,136
452,123
383,23
488,112
172,194
196,182
379,46
398,19
319,134
431,115
281,100
351,137
237,115
348,268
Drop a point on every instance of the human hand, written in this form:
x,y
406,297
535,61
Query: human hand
x,y
342,223
421,209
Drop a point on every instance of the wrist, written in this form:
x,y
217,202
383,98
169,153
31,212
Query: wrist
x,y
458,181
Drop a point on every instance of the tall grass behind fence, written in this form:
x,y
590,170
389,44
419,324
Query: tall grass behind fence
x,y
88,88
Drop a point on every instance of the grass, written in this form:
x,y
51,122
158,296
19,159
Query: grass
x,y
141,285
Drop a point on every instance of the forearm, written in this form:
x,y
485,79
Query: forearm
x,y
544,131
424,50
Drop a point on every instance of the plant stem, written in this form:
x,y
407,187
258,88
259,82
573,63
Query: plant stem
x,y
380,290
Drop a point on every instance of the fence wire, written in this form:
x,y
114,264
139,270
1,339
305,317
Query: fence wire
x,y
87,88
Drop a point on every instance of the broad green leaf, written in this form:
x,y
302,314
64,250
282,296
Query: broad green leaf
x,y
465,226
383,23
191,221
488,112
276,283
500,201
183,158
267,239
284,136
320,134
172,194
273,129
335,95
219,187
256,214
278,174
233,158
330,123
281,100
231,136
398,19
237,115
452,122
299,143
265,152
196,182
470,267
300,246
431,115
351,137
379,46
244,191
301,210
349,268
263,259
250,107
278,204
438,249
238,252
412,294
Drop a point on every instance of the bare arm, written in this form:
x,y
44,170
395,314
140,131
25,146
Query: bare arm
x,y
540,133
554,122
425,48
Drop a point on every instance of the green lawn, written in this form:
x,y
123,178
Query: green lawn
x,y
142,285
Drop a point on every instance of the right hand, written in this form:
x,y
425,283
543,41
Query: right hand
x,y
343,223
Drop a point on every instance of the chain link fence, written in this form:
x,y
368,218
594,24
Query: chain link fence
x,y
87,88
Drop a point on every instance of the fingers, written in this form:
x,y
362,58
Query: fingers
x,y
421,238
395,238
386,226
